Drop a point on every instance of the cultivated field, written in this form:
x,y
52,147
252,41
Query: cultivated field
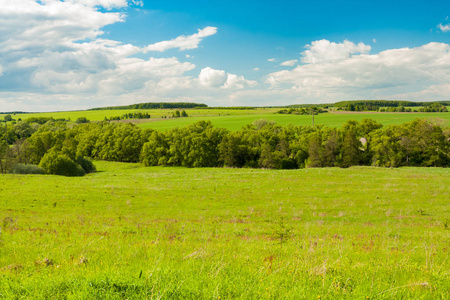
x,y
235,119
129,232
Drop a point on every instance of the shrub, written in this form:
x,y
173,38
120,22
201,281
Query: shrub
x,y
27,169
60,164
81,120
86,164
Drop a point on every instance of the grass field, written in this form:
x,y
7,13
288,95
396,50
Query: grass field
x,y
99,115
235,122
235,119
129,232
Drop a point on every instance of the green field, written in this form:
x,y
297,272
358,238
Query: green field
x,y
99,115
235,122
235,119
129,232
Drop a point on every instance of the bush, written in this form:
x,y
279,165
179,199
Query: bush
x,y
27,169
81,120
60,164
86,164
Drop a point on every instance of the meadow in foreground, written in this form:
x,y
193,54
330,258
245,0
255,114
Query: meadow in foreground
x,y
129,232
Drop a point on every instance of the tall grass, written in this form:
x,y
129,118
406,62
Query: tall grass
x,y
128,232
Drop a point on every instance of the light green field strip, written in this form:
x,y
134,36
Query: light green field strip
x,y
235,119
234,122
99,115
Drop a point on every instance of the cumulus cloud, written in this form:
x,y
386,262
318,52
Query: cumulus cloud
x,y
341,75
326,51
444,28
238,82
212,78
218,78
183,42
289,63
272,59
54,56
108,4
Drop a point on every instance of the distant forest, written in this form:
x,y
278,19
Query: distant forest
x,y
57,148
391,106
154,105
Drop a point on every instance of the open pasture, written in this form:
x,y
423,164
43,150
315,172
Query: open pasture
x,y
99,115
235,122
129,232
235,119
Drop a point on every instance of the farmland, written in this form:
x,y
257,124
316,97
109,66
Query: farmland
x,y
177,233
234,119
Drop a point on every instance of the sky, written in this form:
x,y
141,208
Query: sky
x,y
79,54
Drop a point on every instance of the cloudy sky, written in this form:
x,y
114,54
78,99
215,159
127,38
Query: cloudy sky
x,y
78,54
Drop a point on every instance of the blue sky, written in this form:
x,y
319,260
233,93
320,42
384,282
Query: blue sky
x,y
77,54
253,31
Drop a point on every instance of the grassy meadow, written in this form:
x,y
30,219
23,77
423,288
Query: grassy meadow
x,y
235,119
129,232
235,122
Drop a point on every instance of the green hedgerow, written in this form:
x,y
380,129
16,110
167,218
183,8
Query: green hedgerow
x,y
27,169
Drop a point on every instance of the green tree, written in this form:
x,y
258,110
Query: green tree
x,y
81,120
60,164
4,149
351,145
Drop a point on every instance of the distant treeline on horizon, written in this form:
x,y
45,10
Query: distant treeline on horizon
x,y
154,105
368,104
387,103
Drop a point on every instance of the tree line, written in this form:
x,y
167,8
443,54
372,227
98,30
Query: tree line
x,y
55,146
155,105
302,111
392,106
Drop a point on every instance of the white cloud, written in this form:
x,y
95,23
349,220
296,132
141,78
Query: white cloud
x,y
183,42
365,76
54,56
53,61
238,82
444,28
212,78
218,78
289,63
326,51
433,92
108,4
272,59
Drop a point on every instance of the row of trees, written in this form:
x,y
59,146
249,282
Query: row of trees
x,y
302,111
138,115
392,106
178,114
435,107
266,145
155,105
260,145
